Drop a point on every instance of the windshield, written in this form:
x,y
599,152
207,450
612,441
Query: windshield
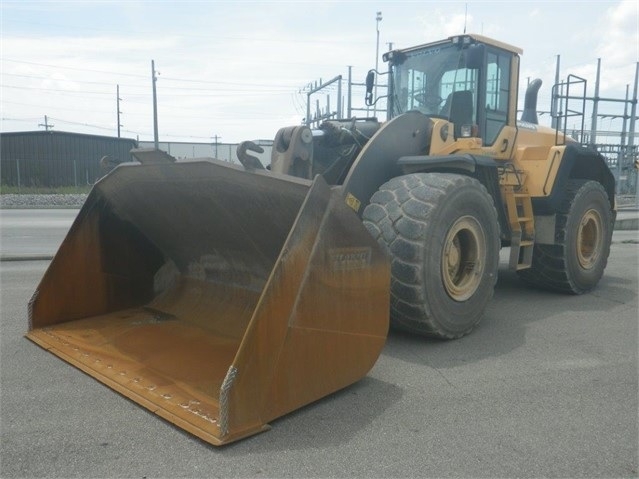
x,y
428,77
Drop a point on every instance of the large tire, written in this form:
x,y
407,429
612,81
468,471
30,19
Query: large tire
x,y
442,234
583,232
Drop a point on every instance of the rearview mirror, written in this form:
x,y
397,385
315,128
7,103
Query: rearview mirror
x,y
370,81
475,56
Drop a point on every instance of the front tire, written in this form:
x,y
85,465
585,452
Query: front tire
x,y
442,234
576,262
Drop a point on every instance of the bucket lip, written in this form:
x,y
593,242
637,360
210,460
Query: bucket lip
x,y
207,160
212,435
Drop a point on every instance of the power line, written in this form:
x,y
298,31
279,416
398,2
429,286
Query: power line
x,y
215,82
40,105
70,68
184,92
55,89
20,119
270,39
257,113
186,80
35,77
83,124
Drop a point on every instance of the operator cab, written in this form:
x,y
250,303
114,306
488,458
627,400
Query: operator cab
x,y
466,80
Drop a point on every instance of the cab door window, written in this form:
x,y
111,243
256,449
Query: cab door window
x,y
497,94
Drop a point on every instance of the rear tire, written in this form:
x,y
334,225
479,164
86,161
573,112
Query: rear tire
x,y
442,234
576,262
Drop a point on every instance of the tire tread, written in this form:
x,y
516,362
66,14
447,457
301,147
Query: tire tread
x,y
550,268
402,211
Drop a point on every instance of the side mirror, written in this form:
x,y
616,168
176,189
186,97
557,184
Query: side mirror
x,y
370,82
475,56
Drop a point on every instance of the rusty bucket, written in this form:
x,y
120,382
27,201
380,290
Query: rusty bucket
x,y
217,298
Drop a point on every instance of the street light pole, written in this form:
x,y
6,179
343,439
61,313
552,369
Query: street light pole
x,y
117,106
217,137
378,19
155,107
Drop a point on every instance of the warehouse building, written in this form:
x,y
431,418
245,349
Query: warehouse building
x,y
220,151
53,159
56,158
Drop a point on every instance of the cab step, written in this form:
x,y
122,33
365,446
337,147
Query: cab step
x,y
522,227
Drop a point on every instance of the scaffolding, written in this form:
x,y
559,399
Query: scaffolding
x,y
620,155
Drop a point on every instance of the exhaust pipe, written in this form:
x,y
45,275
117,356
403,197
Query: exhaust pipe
x,y
529,114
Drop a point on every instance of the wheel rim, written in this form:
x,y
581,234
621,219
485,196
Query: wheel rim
x,y
463,258
589,239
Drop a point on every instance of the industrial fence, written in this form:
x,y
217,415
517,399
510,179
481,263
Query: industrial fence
x,y
49,172
621,160
56,172
54,159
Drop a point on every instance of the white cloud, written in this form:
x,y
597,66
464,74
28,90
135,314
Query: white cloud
x,y
618,47
619,34
235,69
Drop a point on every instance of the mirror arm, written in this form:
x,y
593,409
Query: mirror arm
x,y
368,98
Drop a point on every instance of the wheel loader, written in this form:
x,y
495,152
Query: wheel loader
x,y
221,297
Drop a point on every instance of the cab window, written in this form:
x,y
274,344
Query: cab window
x,y
497,94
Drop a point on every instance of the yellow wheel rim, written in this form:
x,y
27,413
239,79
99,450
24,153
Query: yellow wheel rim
x,y
589,239
463,256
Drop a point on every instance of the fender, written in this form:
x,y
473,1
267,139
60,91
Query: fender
x,y
483,168
577,162
405,135
465,164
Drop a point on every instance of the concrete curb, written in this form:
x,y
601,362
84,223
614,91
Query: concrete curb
x,y
26,257
626,224
629,221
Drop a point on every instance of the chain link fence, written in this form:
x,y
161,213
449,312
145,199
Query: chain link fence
x,y
50,173
621,161
60,172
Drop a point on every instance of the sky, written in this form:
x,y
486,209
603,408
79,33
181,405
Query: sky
x,y
238,70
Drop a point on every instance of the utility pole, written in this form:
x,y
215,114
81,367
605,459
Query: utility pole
x,y
46,123
216,137
155,107
117,101
595,107
554,102
621,156
350,92
378,19
631,135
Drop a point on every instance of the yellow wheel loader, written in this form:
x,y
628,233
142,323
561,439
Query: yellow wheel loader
x,y
221,297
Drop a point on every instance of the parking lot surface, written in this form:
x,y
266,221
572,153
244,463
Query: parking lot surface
x,y
545,386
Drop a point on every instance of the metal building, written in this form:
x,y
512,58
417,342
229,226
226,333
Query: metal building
x,y
57,158
221,151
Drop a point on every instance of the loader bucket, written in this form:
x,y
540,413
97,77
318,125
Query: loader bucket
x,y
217,298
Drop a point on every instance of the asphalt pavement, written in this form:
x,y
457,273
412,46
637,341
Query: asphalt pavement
x,y
546,386
36,234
